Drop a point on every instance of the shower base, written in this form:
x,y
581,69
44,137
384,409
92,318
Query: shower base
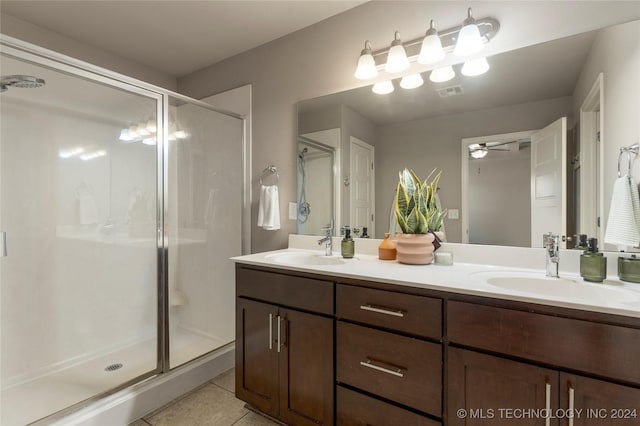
x,y
41,397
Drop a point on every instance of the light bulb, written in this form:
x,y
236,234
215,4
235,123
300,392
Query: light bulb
x,y
411,81
469,39
475,67
431,50
366,69
440,75
383,87
397,60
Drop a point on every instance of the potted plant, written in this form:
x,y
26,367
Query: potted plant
x,y
418,217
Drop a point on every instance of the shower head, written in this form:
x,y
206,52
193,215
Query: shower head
x,y
302,153
21,81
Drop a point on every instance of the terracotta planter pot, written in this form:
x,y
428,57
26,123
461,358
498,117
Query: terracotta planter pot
x,y
416,249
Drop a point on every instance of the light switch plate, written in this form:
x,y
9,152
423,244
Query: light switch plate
x,y
454,214
293,211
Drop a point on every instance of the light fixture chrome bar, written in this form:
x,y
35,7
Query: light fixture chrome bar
x,y
488,27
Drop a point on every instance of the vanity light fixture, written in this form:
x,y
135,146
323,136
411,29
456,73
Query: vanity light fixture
x,y
431,50
440,75
469,39
383,87
475,67
366,68
411,81
397,60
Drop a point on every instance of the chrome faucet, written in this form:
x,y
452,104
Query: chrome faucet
x,y
327,240
551,243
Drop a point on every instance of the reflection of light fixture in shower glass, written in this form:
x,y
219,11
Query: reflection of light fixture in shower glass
x,y
93,155
149,141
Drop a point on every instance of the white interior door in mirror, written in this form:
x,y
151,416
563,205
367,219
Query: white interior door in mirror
x,y
361,194
548,181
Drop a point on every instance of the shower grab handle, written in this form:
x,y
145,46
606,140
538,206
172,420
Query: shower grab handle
x,y
3,242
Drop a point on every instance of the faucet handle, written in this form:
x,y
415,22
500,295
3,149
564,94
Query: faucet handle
x,y
551,241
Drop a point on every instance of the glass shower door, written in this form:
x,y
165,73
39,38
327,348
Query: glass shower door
x,y
204,227
78,203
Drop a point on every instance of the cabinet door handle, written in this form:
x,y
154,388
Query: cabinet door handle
x,y
394,370
3,243
382,310
270,331
572,398
279,320
547,395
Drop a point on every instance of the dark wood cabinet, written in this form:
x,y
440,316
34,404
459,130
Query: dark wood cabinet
x,y
284,357
311,351
489,390
598,403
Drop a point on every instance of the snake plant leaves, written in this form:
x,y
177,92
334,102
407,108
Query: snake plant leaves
x,y
415,205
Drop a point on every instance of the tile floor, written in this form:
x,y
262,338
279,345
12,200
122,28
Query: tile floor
x,y
212,404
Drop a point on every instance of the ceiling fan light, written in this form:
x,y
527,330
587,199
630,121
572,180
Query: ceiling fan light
x,y
469,40
475,67
383,87
440,75
411,81
366,68
397,60
431,50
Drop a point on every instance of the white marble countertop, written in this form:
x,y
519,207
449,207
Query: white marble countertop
x,y
570,291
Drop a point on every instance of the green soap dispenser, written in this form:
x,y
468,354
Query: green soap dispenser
x,y
347,246
593,264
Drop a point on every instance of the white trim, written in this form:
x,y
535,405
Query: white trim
x,y
464,207
592,160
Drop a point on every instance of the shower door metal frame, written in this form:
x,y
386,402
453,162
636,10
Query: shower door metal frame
x,y
37,55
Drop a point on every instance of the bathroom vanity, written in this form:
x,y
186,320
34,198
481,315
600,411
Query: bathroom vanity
x,y
363,344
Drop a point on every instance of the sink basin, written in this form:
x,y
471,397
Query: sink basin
x,y
305,259
566,288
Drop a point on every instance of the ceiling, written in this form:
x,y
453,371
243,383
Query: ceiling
x,y
534,73
175,37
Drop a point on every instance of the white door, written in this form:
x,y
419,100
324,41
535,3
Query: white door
x,y
361,194
548,181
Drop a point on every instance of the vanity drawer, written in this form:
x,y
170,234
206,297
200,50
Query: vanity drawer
x,y
398,368
407,313
356,409
601,349
288,290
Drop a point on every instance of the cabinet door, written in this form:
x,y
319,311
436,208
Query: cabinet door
x,y
599,403
488,390
256,355
306,369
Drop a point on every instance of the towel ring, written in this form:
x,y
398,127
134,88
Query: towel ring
x,y
268,171
630,150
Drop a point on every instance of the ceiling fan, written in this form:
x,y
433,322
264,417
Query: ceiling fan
x,y
480,150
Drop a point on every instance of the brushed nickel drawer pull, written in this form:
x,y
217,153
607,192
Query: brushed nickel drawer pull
x,y
382,310
270,331
547,397
572,398
279,341
396,371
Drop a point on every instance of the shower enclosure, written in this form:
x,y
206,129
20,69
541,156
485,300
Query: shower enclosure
x,y
120,205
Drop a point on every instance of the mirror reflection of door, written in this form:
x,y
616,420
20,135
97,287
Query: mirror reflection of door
x,y
362,184
316,182
496,168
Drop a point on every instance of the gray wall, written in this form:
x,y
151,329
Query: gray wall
x,y
320,60
423,145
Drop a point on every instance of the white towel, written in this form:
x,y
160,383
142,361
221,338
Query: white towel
x,y
623,224
87,210
269,208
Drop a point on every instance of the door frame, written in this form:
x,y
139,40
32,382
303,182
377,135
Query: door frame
x,y
464,207
372,201
592,160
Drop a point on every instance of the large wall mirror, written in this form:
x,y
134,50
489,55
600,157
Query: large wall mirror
x,y
574,99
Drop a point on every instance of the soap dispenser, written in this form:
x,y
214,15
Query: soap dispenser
x,y
348,245
593,264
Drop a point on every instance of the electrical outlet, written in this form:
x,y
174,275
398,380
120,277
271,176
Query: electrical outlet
x,y
454,214
293,211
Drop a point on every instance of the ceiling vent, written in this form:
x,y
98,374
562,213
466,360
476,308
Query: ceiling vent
x,y
446,92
